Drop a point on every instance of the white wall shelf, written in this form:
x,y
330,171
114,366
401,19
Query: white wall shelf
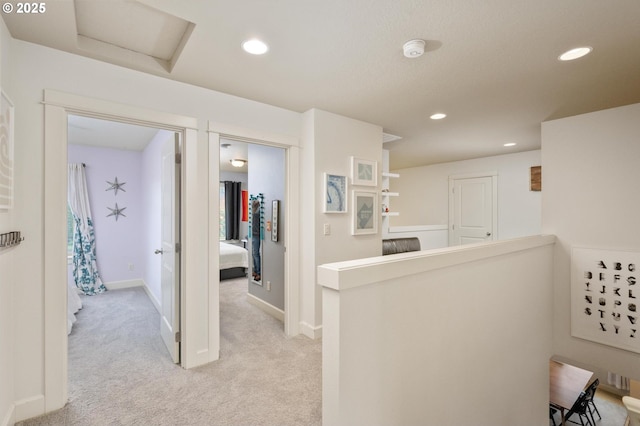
x,y
386,195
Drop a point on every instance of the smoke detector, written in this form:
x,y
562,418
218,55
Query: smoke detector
x,y
413,48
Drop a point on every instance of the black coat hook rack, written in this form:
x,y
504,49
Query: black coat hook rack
x,y
10,239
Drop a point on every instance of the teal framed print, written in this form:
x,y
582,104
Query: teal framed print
x,y
335,194
365,213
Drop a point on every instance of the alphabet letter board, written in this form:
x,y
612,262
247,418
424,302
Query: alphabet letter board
x,y
604,303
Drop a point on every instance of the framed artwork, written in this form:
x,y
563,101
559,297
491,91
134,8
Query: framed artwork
x,y
335,194
6,152
365,213
364,172
604,297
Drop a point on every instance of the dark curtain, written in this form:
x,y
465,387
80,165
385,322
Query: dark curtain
x,y
233,206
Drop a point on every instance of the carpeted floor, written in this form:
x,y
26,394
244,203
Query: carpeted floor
x,y
120,372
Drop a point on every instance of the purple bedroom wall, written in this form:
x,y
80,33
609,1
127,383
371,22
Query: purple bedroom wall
x,y
119,244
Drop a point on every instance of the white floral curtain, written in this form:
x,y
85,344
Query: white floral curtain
x,y
85,268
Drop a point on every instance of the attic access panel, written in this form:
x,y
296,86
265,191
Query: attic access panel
x,y
131,32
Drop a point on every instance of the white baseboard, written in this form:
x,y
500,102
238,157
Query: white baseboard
x,y
29,407
153,299
266,307
311,331
9,418
117,285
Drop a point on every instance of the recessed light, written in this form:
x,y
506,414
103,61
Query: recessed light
x,y
438,116
255,47
576,53
510,144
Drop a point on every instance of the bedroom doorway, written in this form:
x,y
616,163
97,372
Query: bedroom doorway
x,y
252,219
134,190
57,108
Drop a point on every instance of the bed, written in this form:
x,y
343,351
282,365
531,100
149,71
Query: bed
x,y
234,261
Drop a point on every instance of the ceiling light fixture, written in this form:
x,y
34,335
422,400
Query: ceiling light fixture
x,y
413,48
576,53
438,116
255,47
510,144
238,162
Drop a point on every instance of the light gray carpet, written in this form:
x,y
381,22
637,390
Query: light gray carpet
x,y
120,372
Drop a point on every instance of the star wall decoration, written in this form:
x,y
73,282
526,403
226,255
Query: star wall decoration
x,y
117,212
116,186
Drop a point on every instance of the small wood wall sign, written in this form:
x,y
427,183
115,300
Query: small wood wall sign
x,y
536,178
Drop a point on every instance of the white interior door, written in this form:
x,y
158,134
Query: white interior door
x,y
170,276
472,210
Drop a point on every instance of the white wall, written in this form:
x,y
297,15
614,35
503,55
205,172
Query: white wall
x,y
39,68
7,274
329,142
424,193
590,198
452,336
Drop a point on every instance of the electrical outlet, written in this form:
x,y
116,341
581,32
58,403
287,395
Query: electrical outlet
x,y
327,229
268,285
131,266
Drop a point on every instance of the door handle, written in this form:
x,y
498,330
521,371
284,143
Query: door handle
x,y
158,251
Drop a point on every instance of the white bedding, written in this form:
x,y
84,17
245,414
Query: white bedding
x,y
74,304
232,256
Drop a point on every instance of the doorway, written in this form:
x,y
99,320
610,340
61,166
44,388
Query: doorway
x,y
290,240
58,106
254,222
132,183
200,340
472,208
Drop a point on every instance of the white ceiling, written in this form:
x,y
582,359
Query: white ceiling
x,y
235,150
490,65
111,134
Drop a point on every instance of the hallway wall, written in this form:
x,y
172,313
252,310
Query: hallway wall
x,y
424,193
590,179
7,275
